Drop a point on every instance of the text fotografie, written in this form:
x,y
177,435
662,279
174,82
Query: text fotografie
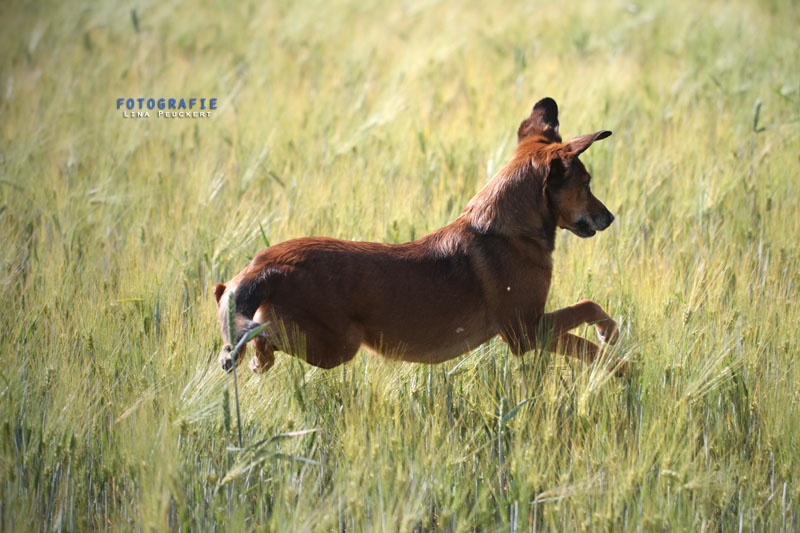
x,y
167,107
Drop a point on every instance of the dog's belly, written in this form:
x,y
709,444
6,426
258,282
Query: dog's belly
x,y
429,354
440,342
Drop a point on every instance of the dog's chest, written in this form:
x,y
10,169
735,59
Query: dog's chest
x,y
520,284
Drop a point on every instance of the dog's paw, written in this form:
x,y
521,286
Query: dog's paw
x,y
608,331
255,365
258,366
225,359
622,368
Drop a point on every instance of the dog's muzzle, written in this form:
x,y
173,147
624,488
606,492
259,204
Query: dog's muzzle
x,y
586,228
603,221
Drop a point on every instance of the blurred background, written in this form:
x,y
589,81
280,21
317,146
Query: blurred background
x,y
379,121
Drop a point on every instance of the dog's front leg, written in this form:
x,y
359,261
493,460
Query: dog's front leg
x,y
583,312
574,346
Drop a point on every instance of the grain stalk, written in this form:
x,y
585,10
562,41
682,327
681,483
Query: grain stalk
x,y
238,345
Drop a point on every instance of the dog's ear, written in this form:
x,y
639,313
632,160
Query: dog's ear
x,y
219,289
556,169
543,121
578,145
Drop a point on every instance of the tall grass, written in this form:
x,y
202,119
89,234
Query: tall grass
x,y
379,121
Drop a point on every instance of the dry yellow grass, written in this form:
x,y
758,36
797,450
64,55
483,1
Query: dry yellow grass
x,y
379,121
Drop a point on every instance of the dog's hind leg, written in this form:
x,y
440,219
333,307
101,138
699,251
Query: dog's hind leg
x,y
321,345
251,311
263,342
264,357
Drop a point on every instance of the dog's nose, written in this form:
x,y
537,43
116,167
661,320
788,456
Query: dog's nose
x,y
604,220
227,364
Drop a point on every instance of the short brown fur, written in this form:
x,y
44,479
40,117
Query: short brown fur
x,y
433,299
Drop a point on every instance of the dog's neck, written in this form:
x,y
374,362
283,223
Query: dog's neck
x,y
513,204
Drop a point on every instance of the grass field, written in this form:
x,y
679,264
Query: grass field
x,y
379,121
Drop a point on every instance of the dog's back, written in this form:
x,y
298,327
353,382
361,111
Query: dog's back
x,y
417,301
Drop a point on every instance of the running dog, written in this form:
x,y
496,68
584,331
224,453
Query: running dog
x,y
433,299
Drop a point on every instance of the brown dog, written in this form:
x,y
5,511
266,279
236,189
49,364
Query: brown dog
x,y
433,299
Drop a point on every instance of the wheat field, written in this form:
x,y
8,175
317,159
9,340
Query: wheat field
x,y
379,121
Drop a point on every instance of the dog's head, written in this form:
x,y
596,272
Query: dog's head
x,y
567,183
